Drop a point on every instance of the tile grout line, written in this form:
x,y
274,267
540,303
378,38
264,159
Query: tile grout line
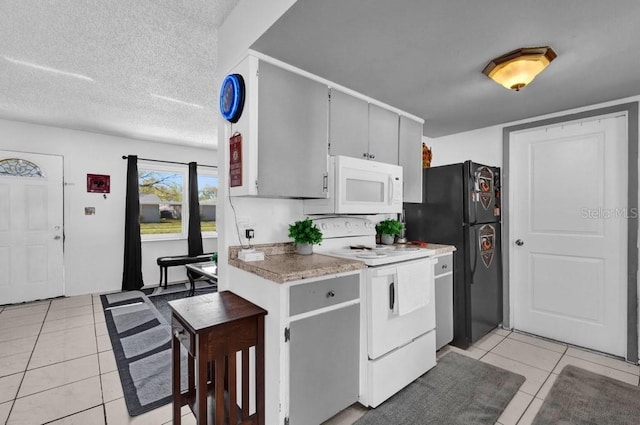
x,y
93,305
27,365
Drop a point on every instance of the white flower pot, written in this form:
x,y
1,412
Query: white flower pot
x,y
304,248
387,239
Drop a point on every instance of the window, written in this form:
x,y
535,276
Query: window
x,y
164,208
208,198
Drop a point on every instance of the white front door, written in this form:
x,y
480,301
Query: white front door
x,y
31,211
568,270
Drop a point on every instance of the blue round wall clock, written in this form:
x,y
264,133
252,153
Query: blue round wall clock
x,y
232,95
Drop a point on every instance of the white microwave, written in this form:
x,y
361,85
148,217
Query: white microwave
x,y
359,186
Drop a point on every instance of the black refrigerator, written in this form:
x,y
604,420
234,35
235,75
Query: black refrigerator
x,y
461,207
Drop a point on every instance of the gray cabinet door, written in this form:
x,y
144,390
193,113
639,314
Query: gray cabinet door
x,y
410,158
324,371
444,310
292,134
348,125
383,135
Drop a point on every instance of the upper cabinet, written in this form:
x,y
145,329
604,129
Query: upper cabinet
x,y
293,120
348,125
383,135
292,134
283,152
410,157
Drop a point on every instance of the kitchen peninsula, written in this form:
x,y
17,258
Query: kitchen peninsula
x,y
316,329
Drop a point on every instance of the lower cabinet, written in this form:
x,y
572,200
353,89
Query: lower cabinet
x,y
443,285
323,365
324,348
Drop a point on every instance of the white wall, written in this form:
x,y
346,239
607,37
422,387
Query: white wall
x,y
93,247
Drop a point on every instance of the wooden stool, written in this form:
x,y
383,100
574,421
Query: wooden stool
x,y
213,328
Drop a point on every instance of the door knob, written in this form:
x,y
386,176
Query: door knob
x,y
519,242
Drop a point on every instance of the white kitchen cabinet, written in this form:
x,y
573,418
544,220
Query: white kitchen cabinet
x,y
383,135
348,125
410,158
360,129
284,131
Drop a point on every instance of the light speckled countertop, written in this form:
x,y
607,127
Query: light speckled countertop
x,y
281,263
441,249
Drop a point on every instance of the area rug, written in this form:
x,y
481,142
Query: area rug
x,y
458,390
580,397
141,339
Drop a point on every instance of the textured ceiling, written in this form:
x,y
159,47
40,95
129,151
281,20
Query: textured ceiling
x,y
426,57
138,68
147,69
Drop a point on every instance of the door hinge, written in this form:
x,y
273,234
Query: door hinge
x,y
287,334
286,421
325,182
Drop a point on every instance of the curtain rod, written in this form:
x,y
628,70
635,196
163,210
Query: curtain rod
x,y
170,162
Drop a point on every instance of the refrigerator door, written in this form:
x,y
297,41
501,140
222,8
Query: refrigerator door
x,y
484,279
482,192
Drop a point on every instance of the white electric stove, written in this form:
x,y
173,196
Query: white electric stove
x,y
398,294
355,238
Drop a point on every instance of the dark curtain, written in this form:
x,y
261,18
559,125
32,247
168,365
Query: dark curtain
x,y
195,233
132,271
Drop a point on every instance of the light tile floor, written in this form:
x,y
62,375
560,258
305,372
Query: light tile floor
x,y
57,367
538,360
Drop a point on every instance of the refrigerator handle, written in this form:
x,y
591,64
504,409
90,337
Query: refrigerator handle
x,y
472,245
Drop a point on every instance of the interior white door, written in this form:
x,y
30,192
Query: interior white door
x,y
568,187
31,233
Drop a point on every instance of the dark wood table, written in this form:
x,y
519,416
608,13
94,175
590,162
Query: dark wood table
x,y
213,328
206,269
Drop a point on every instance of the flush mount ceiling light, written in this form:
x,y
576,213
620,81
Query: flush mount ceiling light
x,y
518,68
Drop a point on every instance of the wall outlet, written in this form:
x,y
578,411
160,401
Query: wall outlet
x,y
249,233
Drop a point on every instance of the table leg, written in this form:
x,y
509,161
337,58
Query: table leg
x,y
260,371
175,378
201,387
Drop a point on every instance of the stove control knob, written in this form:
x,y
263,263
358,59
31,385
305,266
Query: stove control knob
x,y
347,225
324,226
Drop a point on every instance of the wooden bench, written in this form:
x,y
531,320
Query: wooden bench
x,y
178,260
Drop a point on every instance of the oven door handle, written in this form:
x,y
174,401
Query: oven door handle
x,y
392,296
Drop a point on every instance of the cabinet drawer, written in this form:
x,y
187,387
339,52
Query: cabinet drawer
x,y
323,293
445,265
184,336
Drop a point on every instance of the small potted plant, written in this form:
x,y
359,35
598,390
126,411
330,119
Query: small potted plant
x,y
388,229
305,234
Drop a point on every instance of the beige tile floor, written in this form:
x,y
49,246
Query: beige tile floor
x,y
538,360
57,367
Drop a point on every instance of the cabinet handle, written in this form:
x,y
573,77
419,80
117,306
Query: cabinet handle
x,y
444,266
371,156
392,296
331,294
365,155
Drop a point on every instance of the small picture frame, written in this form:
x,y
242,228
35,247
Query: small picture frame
x,y
98,183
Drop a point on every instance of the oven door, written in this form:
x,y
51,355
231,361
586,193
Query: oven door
x,y
400,304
